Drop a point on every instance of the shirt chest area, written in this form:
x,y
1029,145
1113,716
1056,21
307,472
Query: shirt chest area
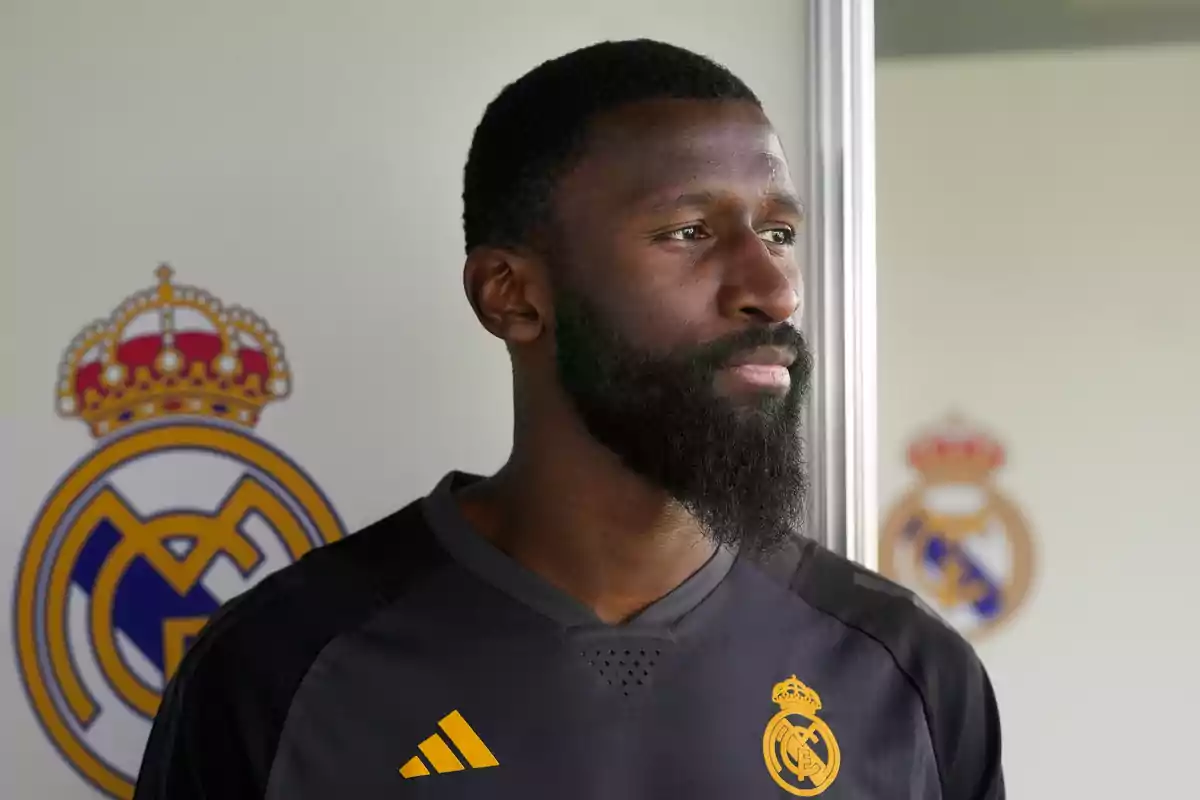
x,y
599,715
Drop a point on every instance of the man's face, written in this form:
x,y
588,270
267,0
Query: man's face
x,y
677,288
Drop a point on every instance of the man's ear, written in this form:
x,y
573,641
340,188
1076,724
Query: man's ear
x,y
508,292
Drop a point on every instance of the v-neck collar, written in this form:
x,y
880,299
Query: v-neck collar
x,y
475,553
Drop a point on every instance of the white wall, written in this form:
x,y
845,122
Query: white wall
x,y
1038,272
303,159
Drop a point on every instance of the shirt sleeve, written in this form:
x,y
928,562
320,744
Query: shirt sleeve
x,y
214,732
965,726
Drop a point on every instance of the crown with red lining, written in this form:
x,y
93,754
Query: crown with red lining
x,y
956,452
230,369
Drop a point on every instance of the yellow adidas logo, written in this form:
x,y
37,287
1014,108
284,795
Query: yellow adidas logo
x,y
442,758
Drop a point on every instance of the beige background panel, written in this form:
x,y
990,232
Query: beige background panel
x,y
1038,260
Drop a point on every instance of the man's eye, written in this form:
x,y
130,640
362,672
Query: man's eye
x,y
779,236
688,233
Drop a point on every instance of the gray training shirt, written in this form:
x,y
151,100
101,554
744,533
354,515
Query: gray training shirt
x,y
415,660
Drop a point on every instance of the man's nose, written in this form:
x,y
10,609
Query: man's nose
x,y
759,286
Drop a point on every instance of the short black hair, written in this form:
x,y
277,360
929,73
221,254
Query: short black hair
x,y
531,133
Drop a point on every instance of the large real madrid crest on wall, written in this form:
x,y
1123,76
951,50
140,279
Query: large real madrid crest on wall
x,y
955,538
177,509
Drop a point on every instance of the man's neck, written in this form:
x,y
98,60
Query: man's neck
x,y
567,509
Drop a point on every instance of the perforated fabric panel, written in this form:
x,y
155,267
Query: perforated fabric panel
x,y
628,669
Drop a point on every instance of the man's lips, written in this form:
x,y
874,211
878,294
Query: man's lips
x,y
763,368
764,357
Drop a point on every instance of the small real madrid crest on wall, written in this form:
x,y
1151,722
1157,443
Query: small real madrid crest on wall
x,y
955,538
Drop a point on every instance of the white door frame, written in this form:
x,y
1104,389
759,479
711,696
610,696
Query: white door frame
x,y
841,316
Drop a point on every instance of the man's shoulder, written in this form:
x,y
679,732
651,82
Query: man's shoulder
x,y
283,622
222,715
940,664
932,654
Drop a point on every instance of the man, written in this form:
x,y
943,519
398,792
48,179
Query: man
x,y
625,609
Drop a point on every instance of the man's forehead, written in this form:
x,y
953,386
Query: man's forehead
x,y
653,149
700,161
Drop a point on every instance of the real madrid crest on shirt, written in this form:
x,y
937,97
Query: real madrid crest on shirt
x,y
955,538
801,751
177,509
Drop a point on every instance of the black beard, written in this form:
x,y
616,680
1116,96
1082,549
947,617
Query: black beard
x,y
736,465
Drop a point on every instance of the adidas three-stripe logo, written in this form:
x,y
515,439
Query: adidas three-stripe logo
x,y
442,758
